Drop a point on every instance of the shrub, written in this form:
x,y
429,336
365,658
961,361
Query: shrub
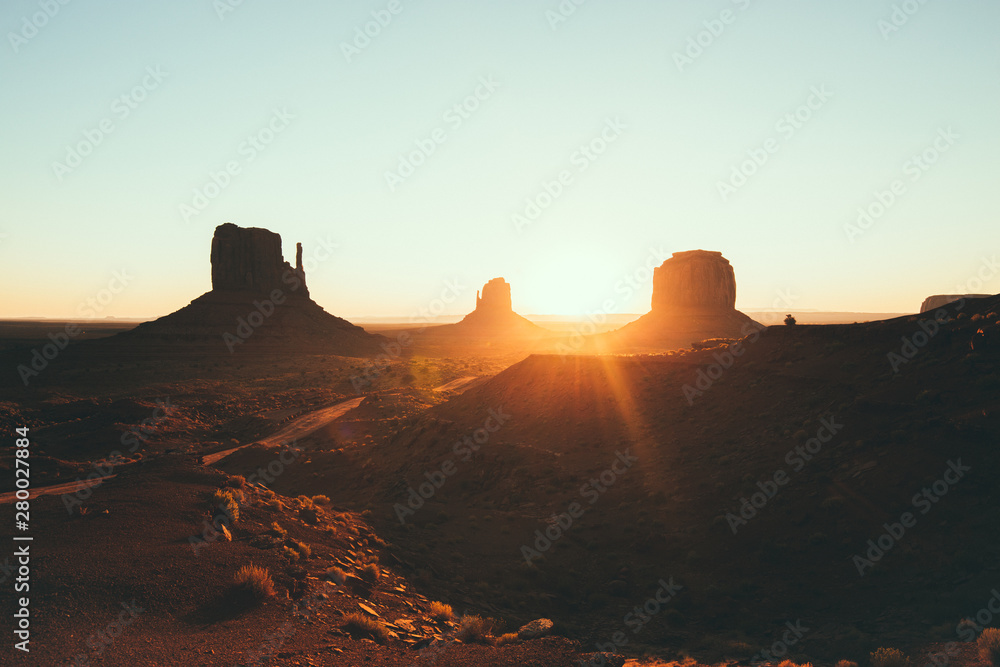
x,y
360,625
278,530
509,638
256,581
304,550
789,320
371,573
224,500
321,500
235,482
478,630
889,657
440,611
336,575
846,663
989,646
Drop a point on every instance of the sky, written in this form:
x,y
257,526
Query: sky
x,y
419,148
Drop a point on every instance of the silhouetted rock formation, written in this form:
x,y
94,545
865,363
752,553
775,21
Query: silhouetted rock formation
x,y
494,317
694,298
939,300
696,279
249,259
495,298
258,301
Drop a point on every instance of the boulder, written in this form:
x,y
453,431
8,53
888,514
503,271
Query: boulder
x,y
539,627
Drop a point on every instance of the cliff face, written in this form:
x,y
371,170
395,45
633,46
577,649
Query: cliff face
x,y
697,279
249,259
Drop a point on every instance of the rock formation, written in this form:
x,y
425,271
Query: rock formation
x,y
495,298
694,299
259,301
939,300
494,317
696,279
249,259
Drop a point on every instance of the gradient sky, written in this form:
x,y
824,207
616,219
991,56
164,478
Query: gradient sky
x,y
654,190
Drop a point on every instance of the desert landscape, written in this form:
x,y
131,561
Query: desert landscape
x,y
560,334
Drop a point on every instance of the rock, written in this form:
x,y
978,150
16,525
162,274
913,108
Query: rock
x,y
694,299
495,298
696,279
494,317
939,300
249,259
535,629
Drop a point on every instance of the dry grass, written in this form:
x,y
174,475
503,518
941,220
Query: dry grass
x,y
478,630
889,657
337,576
256,581
226,501
360,625
508,638
371,573
440,611
989,646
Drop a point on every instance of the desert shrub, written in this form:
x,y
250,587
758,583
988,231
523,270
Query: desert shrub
x,y
235,482
371,573
292,554
321,500
478,630
508,638
256,581
889,657
360,625
336,575
440,611
789,320
789,663
976,318
989,646
278,530
846,663
224,500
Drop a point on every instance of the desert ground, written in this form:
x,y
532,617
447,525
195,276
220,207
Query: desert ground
x,y
709,505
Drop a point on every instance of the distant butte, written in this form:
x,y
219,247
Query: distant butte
x,y
494,316
938,300
258,301
694,298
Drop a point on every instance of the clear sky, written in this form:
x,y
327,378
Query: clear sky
x,y
186,88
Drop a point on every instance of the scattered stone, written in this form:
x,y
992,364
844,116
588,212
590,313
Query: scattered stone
x,y
539,627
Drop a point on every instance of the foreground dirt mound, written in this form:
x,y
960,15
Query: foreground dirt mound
x,y
763,475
